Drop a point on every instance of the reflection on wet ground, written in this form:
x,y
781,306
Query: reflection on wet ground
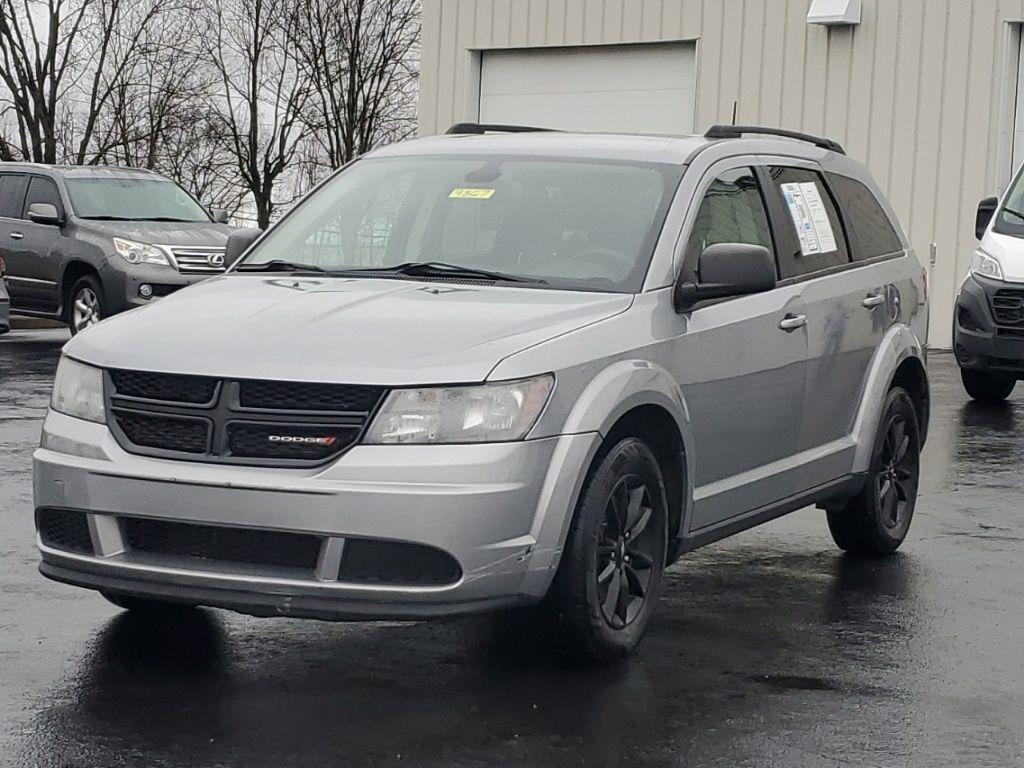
x,y
769,649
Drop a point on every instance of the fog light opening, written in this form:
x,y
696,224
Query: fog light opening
x,y
146,291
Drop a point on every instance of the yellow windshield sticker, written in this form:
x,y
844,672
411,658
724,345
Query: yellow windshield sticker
x,y
471,194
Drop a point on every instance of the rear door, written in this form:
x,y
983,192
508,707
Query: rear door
x,y
12,199
741,373
846,301
40,249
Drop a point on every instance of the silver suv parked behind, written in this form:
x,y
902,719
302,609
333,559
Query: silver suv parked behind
x,y
83,243
483,371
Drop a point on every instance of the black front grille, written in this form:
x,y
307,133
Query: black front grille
x,y
168,433
374,561
232,545
1008,306
264,423
64,529
308,443
287,395
198,390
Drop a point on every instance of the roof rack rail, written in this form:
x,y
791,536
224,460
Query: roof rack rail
x,y
737,131
482,128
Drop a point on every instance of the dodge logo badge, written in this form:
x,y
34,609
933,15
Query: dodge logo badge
x,y
328,441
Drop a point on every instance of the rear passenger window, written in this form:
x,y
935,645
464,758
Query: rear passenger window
x,y
12,194
871,231
42,190
732,211
815,220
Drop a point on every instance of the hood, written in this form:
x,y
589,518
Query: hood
x,y
205,233
385,332
1009,250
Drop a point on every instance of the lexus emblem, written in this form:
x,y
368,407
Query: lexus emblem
x,y
215,260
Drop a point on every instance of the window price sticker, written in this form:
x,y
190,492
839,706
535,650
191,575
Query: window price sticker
x,y
810,218
471,194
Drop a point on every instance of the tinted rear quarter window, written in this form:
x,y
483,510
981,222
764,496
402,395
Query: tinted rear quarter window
x,y
814,220
871,232
42,190
12,194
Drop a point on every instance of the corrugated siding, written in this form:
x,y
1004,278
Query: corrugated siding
x,y
918,91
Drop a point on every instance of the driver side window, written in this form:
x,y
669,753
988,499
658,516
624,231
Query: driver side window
x,y
732,211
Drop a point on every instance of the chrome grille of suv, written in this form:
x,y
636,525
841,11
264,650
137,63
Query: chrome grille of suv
x,y
262,423
198,259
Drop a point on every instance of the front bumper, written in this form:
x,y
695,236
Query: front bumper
x,y
980,342
501,511
121,284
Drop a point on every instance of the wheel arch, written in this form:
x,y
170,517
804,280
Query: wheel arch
x,y
899,361
74,270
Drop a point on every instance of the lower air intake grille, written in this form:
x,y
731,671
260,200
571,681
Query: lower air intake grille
x,y
372,561
1008,306
64,529
233,545
168,433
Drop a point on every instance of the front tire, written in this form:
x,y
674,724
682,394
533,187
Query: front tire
x,y
875,522
989,388
86,305
610,576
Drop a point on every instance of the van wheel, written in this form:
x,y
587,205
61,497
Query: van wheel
x,y
85,306
985,387
611,570
876,521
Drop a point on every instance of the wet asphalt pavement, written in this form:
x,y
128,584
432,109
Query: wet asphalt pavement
x,y
769,649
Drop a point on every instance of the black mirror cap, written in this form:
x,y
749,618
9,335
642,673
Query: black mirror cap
x,y
44,213
986,211
220,215
728,269
239,242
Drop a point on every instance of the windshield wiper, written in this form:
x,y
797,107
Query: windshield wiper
x,y
1018,214
277,265
104,217
442,269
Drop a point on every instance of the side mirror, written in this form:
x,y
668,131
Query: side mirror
x,y
44,213
986,211
220,215
238,243
728,269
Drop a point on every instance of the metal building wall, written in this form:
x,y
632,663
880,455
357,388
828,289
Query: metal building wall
x,y
923,91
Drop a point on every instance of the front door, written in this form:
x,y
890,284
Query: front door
x,y
12,201
38,252
741,365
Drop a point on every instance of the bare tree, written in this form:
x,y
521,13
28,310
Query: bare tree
x,y
263,95
59,61
361,58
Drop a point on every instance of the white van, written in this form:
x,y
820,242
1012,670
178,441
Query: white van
x,y
988,325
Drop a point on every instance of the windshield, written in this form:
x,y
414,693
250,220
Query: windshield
x,y
1010,218
560,222
133,199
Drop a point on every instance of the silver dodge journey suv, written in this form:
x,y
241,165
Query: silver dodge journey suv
x,y
499,368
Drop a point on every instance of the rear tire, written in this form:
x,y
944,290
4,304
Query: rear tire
x,y
990,388
876,521
86,305
611,571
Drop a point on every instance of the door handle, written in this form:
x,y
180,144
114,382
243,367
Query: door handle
x,y
16,236
874,300
792,322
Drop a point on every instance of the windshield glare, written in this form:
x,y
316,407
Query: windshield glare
x,y
578,224
133,199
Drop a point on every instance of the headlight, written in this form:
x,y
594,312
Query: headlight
x,y
78,391
986,265
489,413
140,253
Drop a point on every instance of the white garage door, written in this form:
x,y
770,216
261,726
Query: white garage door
x,y
644,88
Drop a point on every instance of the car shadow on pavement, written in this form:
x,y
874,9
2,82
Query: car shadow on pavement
x,y
737,629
